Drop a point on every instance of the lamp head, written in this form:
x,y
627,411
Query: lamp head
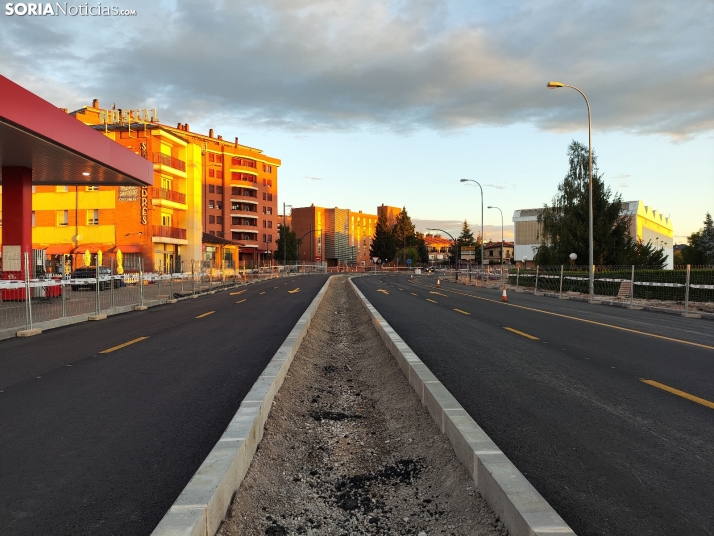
x,y
463,180
553,85
489,206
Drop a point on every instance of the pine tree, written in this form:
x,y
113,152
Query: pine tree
x,y
403,232
383,241
706,239
466,238
564,225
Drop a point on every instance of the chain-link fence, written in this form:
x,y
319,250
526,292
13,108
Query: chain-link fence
x,y
684,287
26,301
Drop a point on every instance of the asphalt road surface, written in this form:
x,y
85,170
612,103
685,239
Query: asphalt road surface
x,y
608,412
103,443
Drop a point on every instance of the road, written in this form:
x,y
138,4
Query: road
x,y
560,386
103,443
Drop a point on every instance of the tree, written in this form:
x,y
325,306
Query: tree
x,y
289,238
564,225
382,245
409,252
421,248
642,254
706,239
403,232
692,253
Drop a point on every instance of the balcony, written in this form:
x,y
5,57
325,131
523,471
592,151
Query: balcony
x,y
169,195
244,162
168,160
168,232
245,177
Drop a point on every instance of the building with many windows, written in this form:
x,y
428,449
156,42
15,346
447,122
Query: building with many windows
x,y
337,236
202,183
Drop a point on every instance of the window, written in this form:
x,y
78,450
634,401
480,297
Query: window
x,y
33,218
265,196
265,238
93,188
270,225
269,210
270,197
167,182
265,224
63,217
219,158
211,172
270,238
213,233
219,189
211,219
211,188
264,210
219,220
270,183
211,157
210,203
93,217
63,188
490,253
219,205
219,174
166,219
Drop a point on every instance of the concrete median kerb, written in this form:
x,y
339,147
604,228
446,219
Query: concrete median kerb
x,y
522,509
203,503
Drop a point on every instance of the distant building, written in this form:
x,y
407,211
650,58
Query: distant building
x,y
647,224
492,252
338,236
391,213
438,247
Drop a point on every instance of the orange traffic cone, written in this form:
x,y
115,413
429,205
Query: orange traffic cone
x,y
504,296
438,283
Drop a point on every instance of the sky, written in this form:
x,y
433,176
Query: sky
x,y
370,102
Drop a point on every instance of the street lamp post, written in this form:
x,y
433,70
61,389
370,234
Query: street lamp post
x,y
501,237
482,232
456,247
554,85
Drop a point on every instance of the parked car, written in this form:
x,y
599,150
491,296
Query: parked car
x,y
90,272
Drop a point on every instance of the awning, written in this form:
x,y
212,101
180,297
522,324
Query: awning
x,y
62,249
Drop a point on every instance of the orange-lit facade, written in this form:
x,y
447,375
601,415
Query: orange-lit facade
x,y
333,235
390,212
201,184
438,247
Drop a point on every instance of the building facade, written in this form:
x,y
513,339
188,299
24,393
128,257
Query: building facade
x,y
646,224
201,184
438,247
492,252
333,235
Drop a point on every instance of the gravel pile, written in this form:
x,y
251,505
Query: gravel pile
x,y
348,447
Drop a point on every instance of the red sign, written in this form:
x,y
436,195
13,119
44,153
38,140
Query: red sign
x,y
317,257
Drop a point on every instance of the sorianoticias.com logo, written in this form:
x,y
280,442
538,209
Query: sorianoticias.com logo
x,y
56,9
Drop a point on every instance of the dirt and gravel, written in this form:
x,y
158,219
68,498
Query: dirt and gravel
x,y
348,447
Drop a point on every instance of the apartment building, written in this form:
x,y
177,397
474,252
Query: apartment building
x,y
334,235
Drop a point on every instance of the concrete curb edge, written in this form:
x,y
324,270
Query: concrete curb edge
x,y
518,504
202,505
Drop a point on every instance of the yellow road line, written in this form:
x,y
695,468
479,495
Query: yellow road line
x,y
274,288
401,289
236,293
594,322
262,293
523,334
206,314
462,312
432,301
677,392
122,345
414,294
382,291
439,293
293,291
241,301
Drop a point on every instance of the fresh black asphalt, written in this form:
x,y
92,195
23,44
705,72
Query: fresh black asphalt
x,y
102,444
611,454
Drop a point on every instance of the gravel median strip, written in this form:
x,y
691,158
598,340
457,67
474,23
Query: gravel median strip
x,y
349,449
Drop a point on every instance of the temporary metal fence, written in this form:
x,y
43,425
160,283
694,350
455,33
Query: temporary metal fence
x,y
684,287
29,300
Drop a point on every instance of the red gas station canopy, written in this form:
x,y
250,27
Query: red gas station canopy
x,y
60,149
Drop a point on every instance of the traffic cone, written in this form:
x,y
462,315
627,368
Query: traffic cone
x,y
438,283
411,277
504,296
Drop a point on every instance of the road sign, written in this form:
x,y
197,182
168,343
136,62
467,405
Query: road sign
x,y
375,259
409,261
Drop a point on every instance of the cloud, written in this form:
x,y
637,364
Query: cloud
x,y
313,178
497,186
304,65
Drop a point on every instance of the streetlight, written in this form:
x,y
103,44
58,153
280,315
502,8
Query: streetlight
x,y
554,85
501,235
456,247
482,231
